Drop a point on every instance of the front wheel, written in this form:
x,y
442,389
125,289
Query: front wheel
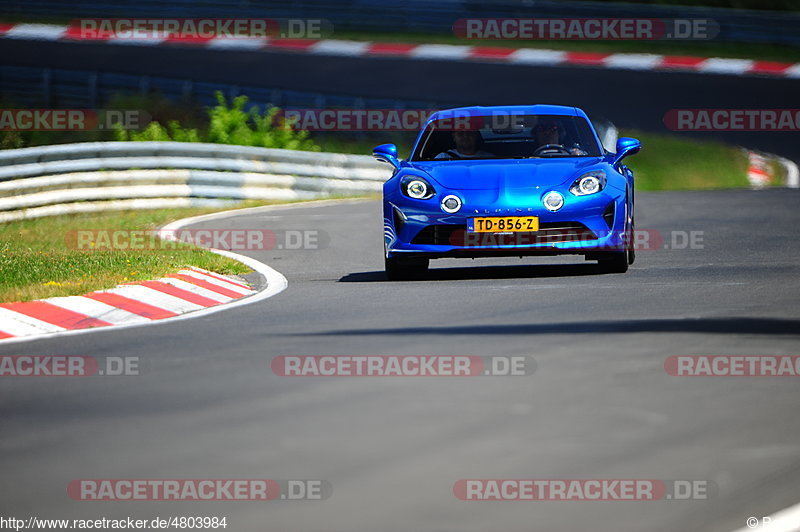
x,y
614,262
631,248
403,269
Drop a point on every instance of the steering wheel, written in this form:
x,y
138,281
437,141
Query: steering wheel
x,y
558,148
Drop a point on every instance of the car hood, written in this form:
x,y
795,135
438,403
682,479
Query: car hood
x,y
508,174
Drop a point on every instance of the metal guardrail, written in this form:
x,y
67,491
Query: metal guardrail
x,y
736,25
88,150
47,180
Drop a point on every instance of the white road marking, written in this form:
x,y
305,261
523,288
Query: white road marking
x,y
240,284
39,32
156,298
213,280
199,290
336,47
439,51
97,309
237,43
792,71
719,65
21,325
537,57
633,61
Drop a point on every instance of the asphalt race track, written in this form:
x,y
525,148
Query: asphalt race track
x,y
600,404
637,99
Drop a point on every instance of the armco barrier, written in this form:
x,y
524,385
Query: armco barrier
x,y
69,178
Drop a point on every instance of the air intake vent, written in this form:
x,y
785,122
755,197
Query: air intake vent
x,y
398,219
608,216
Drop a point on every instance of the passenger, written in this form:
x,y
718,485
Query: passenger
x,y
468,145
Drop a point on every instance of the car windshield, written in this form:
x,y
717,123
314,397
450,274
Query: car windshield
x,y
506,136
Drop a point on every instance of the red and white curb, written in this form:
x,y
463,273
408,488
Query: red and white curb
x,y
444,52
186,291
761,170
758,172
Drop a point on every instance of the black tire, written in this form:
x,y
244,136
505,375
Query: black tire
x,y
631,250
614,262
404,269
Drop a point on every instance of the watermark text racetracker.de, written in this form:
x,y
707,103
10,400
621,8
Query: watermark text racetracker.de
x,y
380,119
168,240
329,119
402,365
733,365
581,29
642,239
199,28
35,119
531,489
732,119
68,366
249,489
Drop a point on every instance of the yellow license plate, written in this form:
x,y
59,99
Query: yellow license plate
x,y
505,224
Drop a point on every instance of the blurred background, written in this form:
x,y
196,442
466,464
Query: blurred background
x,y
177,84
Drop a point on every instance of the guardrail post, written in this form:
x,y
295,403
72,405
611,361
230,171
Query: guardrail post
x,y
47,81
276,98
187,89
358,104
92,90
144,85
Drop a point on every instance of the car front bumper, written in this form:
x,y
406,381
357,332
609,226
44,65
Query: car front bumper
x,y
421,228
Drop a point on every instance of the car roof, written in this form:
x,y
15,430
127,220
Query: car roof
x,y
537,109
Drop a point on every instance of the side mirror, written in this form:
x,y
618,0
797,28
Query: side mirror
x,y
386,153
626,146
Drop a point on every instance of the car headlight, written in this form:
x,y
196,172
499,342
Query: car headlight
x,y
553,201
589,183
416,187
451,204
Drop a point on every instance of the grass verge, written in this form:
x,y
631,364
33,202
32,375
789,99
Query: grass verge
x,y
668,162
39,260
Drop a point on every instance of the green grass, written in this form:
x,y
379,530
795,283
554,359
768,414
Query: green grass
x,y
39,259
669,162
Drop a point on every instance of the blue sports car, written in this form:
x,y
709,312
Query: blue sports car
x,y
508,181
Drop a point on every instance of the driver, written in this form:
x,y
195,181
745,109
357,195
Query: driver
x,y
549,133
467,147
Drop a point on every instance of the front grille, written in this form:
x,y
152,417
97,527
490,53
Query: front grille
x,y
549,232
438,235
